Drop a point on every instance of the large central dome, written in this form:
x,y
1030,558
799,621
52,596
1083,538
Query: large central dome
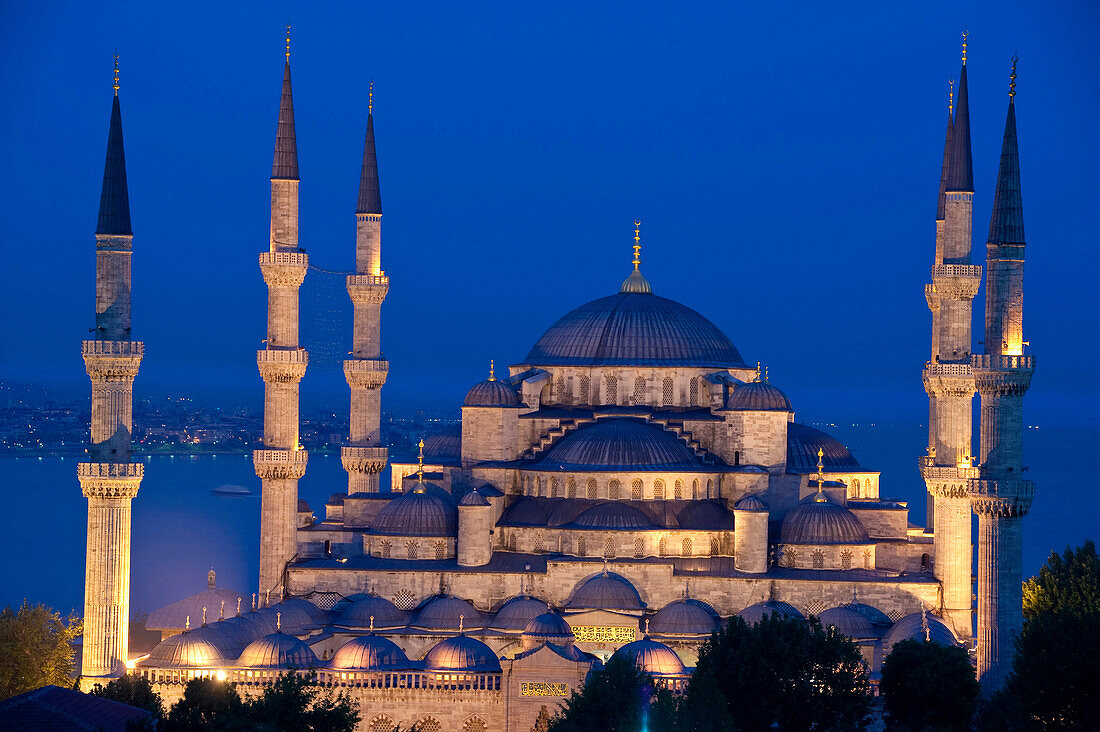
x,y
634,328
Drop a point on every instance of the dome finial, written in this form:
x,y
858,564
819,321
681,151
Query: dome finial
x,y
211,579
924,622
765,373
637,243
1012,78
492,370
757,371
253,602
951,96
279,622
187,623
647,627
605,566
820,497
461,623
116,72
420,462
288,41
221,611
370,98
372,623
204,616
267,599
239,605
965,34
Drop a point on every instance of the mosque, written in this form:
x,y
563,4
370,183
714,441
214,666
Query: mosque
x,y
621,489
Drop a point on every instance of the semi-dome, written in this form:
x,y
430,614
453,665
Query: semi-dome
x,y
549,627
369,653
707,515
912,627
613,515
750,503
803,442
621,444
461,653
758,396
384,612
684,617
877,618
418,512
277,650
447,612
189,649
636,328
517,613
817,520
755,613
849,622
525,512
491,393
606,591
652,657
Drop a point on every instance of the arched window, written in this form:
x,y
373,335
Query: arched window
x,y
666,391
736,457
715,546
412,548
512,543
613,490
693,392
474,724
790,556
559,389
609,548
867,559
555,488
636,490
639,548
639,390
678,489
591,489
686,548
538,486
855,486
582,547
658,489
429,724
710,484
662,547
540,544
386,549
328,547
846,559
570,488
440,550
585,390
610,389
818,557
381,723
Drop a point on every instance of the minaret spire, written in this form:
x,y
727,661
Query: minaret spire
x,y
114,198
285,165
1007,223
961,171
370,194
942,198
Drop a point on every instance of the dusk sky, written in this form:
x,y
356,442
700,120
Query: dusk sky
x,y
783,159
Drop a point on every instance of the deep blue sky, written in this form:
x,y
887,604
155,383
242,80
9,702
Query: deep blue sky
x,y
783,158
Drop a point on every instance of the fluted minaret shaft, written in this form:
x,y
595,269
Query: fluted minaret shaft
x,y
282,363
948,378
1001,498
110,481
364,457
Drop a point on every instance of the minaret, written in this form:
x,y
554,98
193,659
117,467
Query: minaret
x,y
281,462
109,480
364,456
1001,497
948,377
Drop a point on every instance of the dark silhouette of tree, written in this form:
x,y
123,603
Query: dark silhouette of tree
x,y
207,705
1067,583
928,686
133,690
296,703
35,648
617,698
781,673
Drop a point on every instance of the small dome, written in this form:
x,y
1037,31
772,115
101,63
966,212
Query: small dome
x,y
473,498
262,623
277,650
606,591
445,446
491,393
912,627
706,515
292,617
653,657
446,612
316,615
803,442
369,653
189,649
384,612
417,513
549,627
758,396
236,632
517,613
462,653
849,622
525,512
613,515
621,444
818,520
878,618
684,617
755,613
750,503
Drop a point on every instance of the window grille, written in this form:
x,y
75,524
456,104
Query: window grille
x,y
412,548
715,546
429,724
662,547
639,548
866,558
678,490
440,550
559,389
381,723
686,548
585,390
658,489
791,556
474,724
386,550
666,392
540,544
818,559
571,488
555,487
609,548
639,390
613,490
591,486
636,490
611,389
846,559
404,600
582,547
512,543
695,488
693,393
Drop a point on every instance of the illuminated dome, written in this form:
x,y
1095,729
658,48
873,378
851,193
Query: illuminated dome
x,y
369,653
849,622
236,633
621,444
684,617
803,442
262,623
446,612
316,615
634,328
292,617
277,650
755,613
606,591
912,627
818,520
462,653
758,396
417,513
653,657
491,393
549,627
189,649
517,613
384,612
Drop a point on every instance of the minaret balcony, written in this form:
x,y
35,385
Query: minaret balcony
x,y
282,366
112,360
284,269
949,379
986,362
369,289
110,480
1009,498
956,281
280,464
931,298
366,373
932,472
1008,376
358,459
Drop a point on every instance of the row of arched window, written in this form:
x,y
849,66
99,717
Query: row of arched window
x,y
412,549
610,548
384,723
609,394
593,489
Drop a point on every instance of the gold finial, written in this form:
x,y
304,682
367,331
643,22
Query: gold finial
x,y
239,605
221,611
372,623
965,34
204,616
1012,77
757,371
637,243
647,626
370,99
461,622
951,97
492,370
187,623
288,42
279,622
420,462
820,497
253,602
765,374
116,72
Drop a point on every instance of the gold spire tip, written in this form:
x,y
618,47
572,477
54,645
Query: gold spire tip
x,y
757,371
420,462
492,370
1012,78
965,34
765,374
951,96
637,243
116,72
288,41
370,99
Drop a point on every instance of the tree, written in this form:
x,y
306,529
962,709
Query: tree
x,y
133,690
928,686
298,704
207,704
781,673
35,648
617,698
1067,583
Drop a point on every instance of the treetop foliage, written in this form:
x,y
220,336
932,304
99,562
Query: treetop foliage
x,y
35,648
928,687
1067,583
